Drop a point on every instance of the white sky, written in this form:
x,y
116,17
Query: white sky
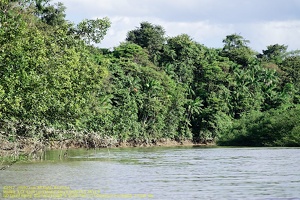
x,y
263,22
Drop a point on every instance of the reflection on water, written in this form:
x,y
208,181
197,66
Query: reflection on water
x,y
167,173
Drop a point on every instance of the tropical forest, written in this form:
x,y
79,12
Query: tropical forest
x,y
57,83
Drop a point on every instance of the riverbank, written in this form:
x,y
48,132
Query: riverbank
x,y
25,148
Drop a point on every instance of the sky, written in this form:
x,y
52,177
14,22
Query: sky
x,y
208,22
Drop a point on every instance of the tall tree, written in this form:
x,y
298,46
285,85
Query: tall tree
x,y
236,49
291,66
148,36
274,53
180,57
93,30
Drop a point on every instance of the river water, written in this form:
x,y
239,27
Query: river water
x,y
160,173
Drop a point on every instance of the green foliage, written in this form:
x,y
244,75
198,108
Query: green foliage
x,y
274,53
148,36
53,15
149,87
132,52
278,127
180,57
291,67
144,99
236,49
93,30
46,76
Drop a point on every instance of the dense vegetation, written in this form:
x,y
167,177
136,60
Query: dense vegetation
x,y
53,79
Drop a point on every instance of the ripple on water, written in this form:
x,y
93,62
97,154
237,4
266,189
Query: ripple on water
x,y
181,173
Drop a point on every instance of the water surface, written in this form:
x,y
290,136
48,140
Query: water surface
x,y
167,173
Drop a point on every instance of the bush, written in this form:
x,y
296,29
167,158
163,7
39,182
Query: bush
x,y
277,127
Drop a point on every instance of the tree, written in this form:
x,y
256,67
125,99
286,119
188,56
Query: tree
x,y
291,66
237,50
148,36
274,53
234,41
46,75
276,127
93,30
54,15
180,57
147,103
131,52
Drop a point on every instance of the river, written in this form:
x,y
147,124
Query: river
x,y
158,173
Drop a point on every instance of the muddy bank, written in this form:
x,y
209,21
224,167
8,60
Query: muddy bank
x,y
25,148
32,147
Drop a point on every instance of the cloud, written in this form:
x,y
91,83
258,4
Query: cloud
x,y
206,21
202,31
221,11
260,34
275,32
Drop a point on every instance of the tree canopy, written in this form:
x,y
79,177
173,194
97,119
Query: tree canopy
x,y
54,74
